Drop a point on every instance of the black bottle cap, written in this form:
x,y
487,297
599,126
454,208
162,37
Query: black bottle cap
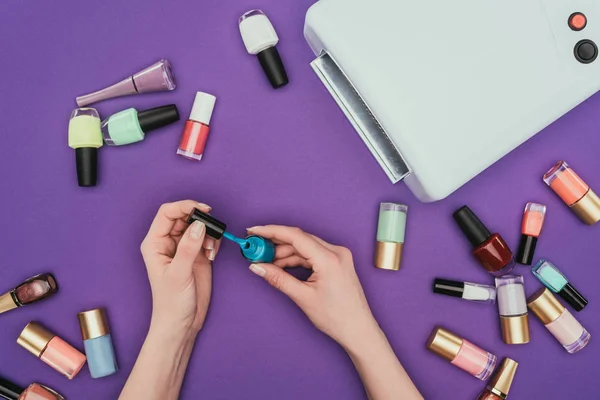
x,y
471,226
158,117
87,166
271,63
573,297
526,249
214,227
9,390
448,287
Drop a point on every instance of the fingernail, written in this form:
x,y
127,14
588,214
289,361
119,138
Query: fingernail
x,y
197,230
202,205
253,228
212,254
258,270
209,243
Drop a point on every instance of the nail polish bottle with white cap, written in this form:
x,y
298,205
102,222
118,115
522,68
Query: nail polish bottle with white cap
x,y
196,128
260,39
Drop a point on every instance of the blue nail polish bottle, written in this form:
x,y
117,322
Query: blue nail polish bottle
x,y
98,343
254,248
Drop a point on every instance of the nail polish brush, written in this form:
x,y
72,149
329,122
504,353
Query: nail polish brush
x,y
254,248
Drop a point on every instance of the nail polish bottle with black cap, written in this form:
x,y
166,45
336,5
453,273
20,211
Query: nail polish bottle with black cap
x,y
465,290
490,249
130,126
260,39
86,138
556,281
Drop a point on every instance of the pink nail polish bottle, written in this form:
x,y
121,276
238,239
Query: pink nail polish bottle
x,y
51,349
462,353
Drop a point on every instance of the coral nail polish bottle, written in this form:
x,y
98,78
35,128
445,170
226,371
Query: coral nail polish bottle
x,y
51,349
490,249
35,391
531,227
580,198
195,132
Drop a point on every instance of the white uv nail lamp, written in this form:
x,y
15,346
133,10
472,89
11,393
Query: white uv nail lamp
x,y
440,90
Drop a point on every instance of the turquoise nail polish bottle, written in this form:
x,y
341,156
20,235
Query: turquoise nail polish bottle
x,y
556,281
254,248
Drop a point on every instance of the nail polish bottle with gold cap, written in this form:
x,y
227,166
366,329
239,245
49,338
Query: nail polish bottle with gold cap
x,y
51,349
580,198
558,320
462,353
34,289
512,305
499,386
98,343
390,236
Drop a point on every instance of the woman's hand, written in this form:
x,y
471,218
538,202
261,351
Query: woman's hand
x,y
178,258
332,297
334,301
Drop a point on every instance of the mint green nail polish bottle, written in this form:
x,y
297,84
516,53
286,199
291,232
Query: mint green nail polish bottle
x,y
390,236
130,126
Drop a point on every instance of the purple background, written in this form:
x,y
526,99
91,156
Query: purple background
x,y
286,156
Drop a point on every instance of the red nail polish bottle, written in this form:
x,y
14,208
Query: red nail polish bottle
x,y
196,128
490,249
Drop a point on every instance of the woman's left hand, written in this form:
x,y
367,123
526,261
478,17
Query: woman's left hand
x,y
179,259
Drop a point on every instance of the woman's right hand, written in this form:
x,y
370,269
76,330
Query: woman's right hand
x,y
334,300
332,297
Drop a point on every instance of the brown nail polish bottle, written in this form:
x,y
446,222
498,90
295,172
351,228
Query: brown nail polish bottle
x,y
499,386
32,290
490,249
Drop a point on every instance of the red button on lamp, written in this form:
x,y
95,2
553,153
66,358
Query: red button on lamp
x,y
577,21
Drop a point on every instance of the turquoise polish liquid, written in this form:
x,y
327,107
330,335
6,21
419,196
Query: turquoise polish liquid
x,y
254,248
550,276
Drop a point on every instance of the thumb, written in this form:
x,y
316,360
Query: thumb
x,y
280,280
190,246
